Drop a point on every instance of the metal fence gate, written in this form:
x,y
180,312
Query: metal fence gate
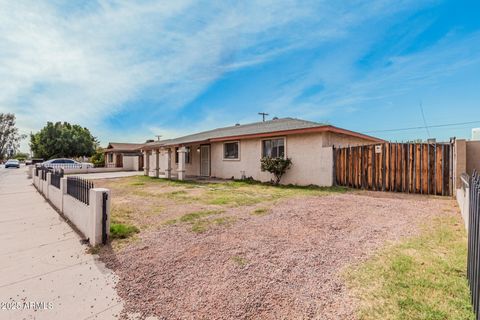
x,y
104,218
473,260
401,167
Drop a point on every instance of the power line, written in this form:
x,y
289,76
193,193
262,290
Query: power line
x,y
424,121
424,127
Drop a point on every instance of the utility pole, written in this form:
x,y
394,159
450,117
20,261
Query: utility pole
x,y
158,137
263,114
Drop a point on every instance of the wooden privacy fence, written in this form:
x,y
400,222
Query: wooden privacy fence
x,y
400,167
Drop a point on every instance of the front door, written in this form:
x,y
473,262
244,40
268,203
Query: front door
x,y
205,160
119,161
140,163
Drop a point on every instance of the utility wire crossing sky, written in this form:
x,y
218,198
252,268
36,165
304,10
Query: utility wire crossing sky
x,y
131,70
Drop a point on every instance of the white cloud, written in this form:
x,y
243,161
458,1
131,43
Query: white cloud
x,y
83,64
346,89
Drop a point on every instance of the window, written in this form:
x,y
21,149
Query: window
x,y
273,148
187,155
110,157
230,150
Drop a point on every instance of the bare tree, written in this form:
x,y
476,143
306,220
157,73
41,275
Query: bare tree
x,y
9,136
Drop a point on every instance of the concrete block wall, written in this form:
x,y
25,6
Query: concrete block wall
x,y
92,170
463,200
86,218
466,159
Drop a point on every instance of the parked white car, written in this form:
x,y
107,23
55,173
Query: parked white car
x,y
66,164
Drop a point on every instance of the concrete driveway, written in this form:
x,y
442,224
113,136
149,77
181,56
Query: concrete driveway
x,y
44,270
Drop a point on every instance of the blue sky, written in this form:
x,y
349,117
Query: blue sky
x,y
132,70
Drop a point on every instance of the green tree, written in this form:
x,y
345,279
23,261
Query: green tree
x,y
21,156
276,166
62,140
9,136
98,159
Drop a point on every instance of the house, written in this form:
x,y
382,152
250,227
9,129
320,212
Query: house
x,y
235,151
127,156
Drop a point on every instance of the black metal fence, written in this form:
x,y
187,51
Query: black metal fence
x,y
44,172
55,179
79,189
473,261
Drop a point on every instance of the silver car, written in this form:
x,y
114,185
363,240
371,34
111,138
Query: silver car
x,y
12,163
66,164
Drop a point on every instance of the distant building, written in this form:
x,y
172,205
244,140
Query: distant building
x,y
124,155
476,134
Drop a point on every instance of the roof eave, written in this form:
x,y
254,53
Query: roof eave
x,y
324,128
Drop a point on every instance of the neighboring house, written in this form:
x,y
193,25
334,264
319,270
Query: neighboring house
x,y
235,152
127,156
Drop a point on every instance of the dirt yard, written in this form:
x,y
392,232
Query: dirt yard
x,y
251,252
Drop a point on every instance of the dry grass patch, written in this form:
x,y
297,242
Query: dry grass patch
x,y
243,193
239,260
200,221
260,211
420,278
149,203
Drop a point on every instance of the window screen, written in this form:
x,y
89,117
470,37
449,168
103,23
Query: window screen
x,y
273,148
230,150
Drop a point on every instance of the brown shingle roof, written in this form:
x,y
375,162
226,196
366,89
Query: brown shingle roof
x,y
123,147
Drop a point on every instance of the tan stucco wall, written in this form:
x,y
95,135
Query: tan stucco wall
x,y
473,156
466,158
459,161
312,163
110,163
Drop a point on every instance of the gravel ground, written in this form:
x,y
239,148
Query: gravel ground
x,y
284,265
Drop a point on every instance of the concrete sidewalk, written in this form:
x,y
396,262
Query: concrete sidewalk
x,y
42,260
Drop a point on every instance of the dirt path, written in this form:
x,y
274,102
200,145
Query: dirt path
x,y
284,265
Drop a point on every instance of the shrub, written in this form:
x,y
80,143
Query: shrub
x,y
122,231
98,159
276,166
